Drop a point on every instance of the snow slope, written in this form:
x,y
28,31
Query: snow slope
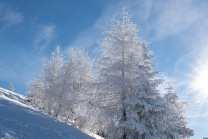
x,y
19,120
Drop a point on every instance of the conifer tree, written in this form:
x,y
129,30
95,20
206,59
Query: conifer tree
x,y
117,66
61,89
130,106
81,66
46,92
145,106
11,87
176,115
124,75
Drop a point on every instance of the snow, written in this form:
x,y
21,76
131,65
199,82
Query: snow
x,y
18,120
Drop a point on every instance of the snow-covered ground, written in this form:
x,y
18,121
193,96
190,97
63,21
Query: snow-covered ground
x,y
19,120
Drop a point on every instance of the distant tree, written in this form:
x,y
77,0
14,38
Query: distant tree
x,y
11,87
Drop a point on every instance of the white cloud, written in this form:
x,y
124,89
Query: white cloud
x,y
92,35
9,16
176,83
174,16
44,36
203,115
198,108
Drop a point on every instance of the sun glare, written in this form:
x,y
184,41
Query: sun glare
x,y
200,82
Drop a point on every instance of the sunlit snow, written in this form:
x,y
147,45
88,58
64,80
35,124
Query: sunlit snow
x,y
18,120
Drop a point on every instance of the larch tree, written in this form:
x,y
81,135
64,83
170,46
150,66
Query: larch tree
x,y
46,92
61,88
81,78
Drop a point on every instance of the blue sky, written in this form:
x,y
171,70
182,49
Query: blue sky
x,y
177,32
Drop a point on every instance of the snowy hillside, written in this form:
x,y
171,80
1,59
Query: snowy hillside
x,y
18,120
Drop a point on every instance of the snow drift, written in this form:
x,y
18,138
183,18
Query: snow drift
x,y
20,120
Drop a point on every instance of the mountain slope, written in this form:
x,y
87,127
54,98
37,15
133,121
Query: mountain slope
x,y
19,120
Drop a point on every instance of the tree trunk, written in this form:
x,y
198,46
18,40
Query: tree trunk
x,y
123,93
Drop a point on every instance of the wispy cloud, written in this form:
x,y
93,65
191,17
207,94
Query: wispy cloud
x,y
185,21
176,83
158,19
9,16
175,17
203,115
90,37
163,18
44,36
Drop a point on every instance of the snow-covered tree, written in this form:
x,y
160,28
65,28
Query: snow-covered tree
x,y
145,107
81,72
124,71
11,87
46,91
176,115
61,89
128,103
119,61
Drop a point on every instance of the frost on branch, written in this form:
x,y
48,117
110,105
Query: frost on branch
x,y
62,87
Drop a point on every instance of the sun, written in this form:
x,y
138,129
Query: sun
x,y
200,82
